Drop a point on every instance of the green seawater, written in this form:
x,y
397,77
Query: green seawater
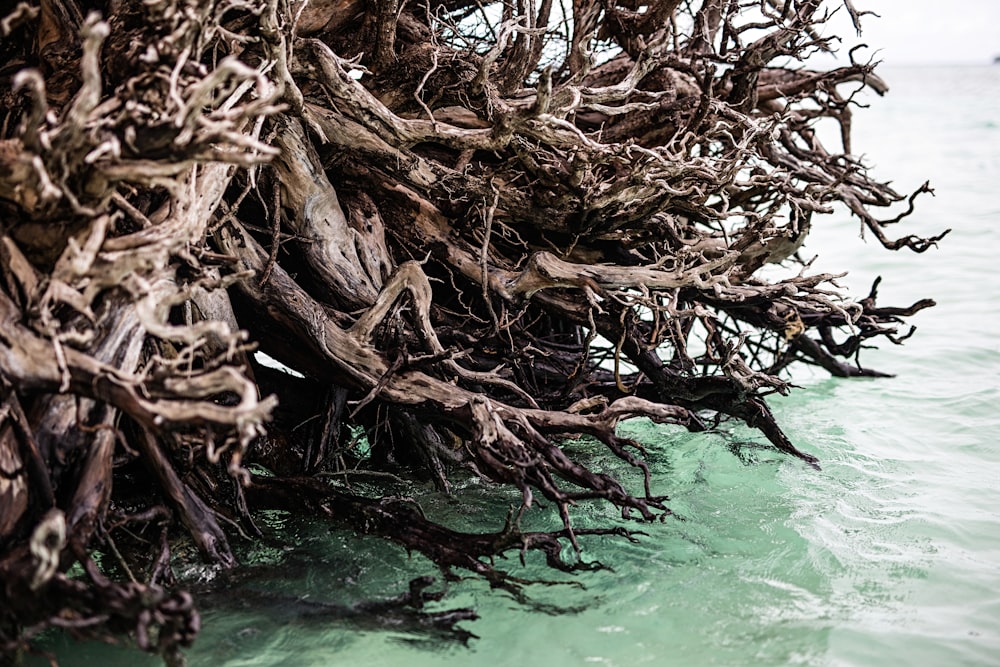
x,y
889,555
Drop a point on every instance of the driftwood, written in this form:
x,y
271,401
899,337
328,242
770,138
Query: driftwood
x,y
474,230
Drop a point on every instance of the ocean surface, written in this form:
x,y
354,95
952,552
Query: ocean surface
x,y
888,556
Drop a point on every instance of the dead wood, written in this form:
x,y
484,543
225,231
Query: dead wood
x,y
473,231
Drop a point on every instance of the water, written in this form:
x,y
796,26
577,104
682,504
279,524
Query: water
x,y
890,555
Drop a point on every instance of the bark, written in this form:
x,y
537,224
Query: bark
x,y
432,214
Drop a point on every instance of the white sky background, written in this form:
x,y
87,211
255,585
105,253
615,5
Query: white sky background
x,y
923,32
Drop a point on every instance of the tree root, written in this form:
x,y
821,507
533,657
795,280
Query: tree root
x,y
469,239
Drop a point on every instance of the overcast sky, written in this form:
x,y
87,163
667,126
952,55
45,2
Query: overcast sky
x,y
926,31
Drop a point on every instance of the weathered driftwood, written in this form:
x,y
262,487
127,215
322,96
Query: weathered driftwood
x,y
433,213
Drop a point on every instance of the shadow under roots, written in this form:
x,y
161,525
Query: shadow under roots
x,y
405,614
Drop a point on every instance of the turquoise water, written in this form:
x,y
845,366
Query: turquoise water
x,y
890,555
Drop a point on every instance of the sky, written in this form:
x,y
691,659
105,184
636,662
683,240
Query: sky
x,y
911,32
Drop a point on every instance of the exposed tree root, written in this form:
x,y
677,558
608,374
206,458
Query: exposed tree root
x,y
473,231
